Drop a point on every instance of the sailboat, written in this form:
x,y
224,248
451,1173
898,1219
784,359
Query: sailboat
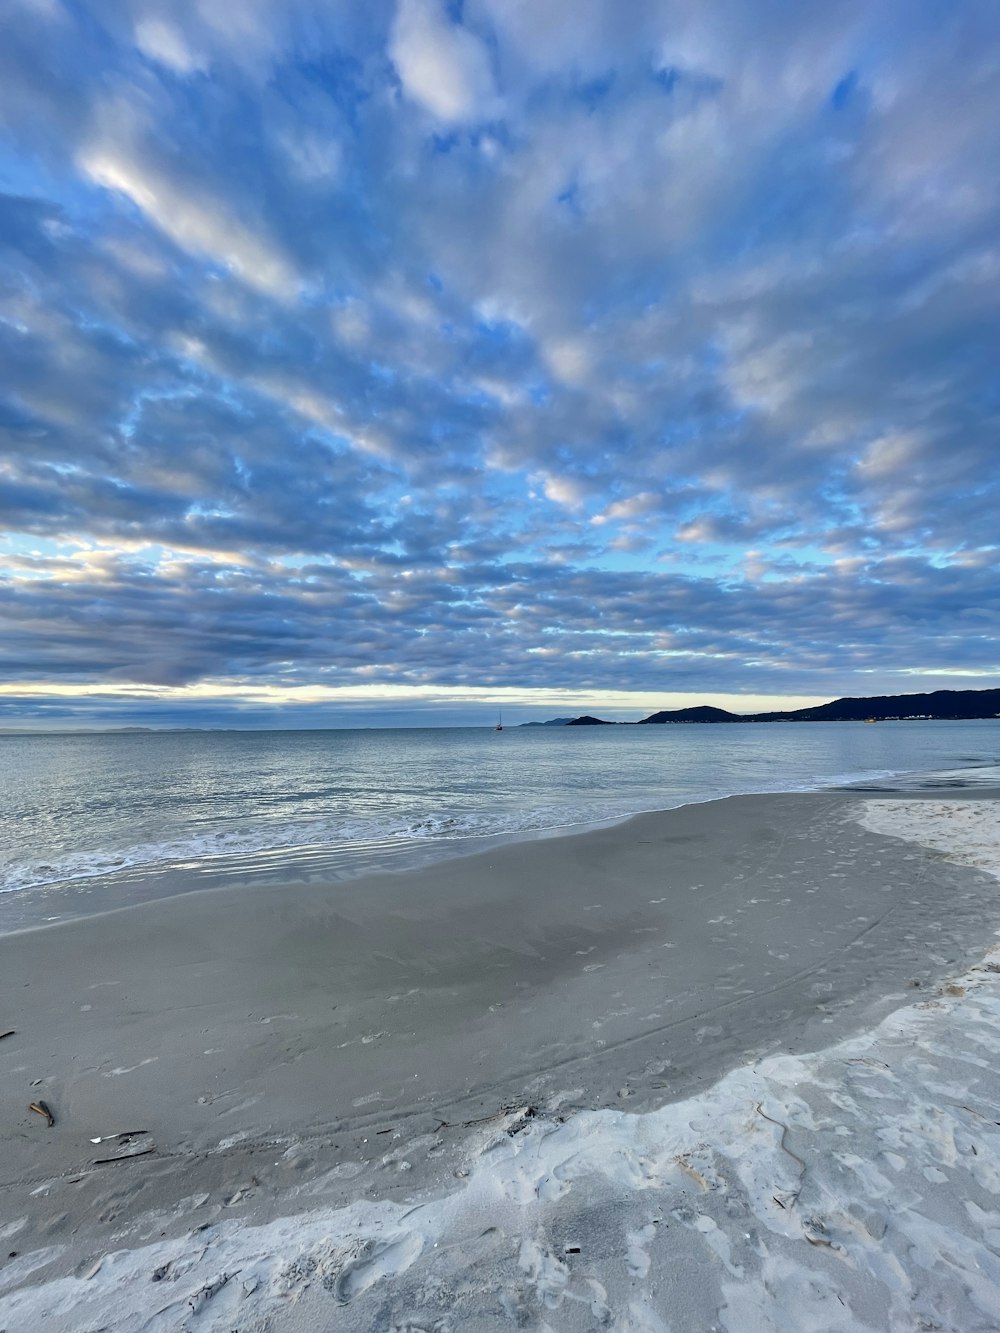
x,y
499,725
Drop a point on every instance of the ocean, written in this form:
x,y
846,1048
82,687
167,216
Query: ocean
x,y
93,821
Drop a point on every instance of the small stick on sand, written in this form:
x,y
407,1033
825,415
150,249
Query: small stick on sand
x,y
41,1108
9,1033
972,1111
785,1148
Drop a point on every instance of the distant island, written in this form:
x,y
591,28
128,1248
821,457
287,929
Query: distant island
x,y
940,706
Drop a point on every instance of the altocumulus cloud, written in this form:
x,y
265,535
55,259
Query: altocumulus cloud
x,y
498,346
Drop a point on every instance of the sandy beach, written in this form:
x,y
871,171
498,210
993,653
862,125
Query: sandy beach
x,y
730,1066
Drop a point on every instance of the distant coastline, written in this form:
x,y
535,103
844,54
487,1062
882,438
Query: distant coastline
x,y
939,706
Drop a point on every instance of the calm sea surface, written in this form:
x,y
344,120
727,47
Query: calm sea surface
x,y
94,821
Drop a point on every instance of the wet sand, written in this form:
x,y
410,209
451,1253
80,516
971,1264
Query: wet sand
x,y
326,1044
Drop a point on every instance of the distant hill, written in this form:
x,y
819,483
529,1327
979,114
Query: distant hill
x,y
701,713
941,705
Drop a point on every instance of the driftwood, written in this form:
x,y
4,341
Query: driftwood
x,y
41,1108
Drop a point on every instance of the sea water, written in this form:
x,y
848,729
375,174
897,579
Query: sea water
x,y
91,821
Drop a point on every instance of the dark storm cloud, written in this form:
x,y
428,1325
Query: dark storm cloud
x,y
651,349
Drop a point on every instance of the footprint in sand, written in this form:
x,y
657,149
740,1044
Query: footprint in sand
x,y
375,1260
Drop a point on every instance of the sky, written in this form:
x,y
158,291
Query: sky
x,y
399,361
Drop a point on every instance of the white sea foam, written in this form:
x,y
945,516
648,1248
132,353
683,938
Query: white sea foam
x,y
273,839
853,1189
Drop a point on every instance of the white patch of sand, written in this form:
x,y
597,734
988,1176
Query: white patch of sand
x,y
964,831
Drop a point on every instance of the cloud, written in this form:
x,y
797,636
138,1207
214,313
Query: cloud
x,y
185,211
163,41
442,66
139,620
569,360
565,491
462,346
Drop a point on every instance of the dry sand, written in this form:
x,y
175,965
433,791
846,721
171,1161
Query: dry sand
x,y
385,1102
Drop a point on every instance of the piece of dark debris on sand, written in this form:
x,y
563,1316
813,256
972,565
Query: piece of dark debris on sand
x,y
522,1114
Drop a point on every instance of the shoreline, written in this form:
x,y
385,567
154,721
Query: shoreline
x,y
149,884
530,992
58,868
